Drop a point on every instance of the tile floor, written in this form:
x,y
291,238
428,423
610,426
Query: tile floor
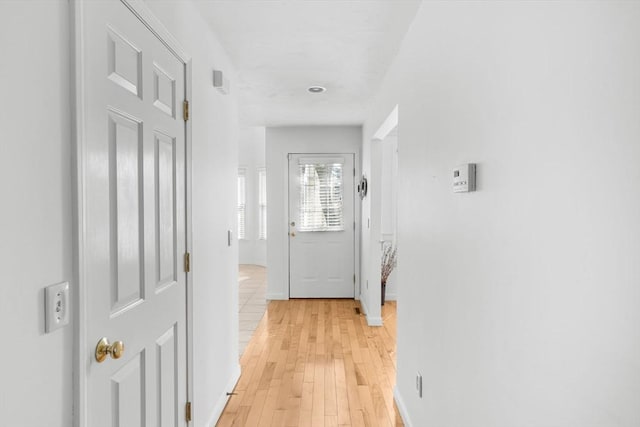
x,y
252,284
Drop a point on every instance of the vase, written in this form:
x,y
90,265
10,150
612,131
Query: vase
x,y
383,289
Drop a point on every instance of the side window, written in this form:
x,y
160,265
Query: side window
x,y
242,196
262,204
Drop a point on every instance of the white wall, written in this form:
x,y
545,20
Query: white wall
x,y
370,228
35,219
280,142
389,186
519,302
215,163
251,153
389,199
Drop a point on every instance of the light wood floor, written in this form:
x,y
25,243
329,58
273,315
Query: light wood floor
x,y
317,363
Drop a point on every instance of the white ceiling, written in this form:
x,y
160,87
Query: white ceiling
x,y
281,47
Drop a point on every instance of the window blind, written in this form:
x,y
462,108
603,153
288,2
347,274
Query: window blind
x,y
242,181
262,204
321,196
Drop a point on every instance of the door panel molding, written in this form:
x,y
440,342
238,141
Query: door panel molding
x,y
82,351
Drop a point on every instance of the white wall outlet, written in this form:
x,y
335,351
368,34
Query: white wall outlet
x,y
419,384
57,306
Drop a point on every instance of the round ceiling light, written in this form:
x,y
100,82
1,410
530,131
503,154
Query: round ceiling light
x,y
317,89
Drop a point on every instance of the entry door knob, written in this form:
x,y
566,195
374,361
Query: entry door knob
x,y
104,349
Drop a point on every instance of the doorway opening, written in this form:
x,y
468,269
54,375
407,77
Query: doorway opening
x,y
251,232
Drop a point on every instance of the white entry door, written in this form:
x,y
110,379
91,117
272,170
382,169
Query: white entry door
x,y
132,198
321,226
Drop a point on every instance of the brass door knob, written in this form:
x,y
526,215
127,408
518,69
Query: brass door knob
x,y
104,349
292,234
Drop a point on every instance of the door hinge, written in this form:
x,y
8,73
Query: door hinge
x,y
187,262
185,110
354,171
187,411
354,279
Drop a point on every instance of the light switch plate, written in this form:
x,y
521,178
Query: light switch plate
x,y
57,306
220,82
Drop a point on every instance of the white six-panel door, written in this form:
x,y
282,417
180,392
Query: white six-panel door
x,y
133,172
321,226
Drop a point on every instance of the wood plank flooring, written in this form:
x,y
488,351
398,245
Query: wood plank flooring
x,y
317,363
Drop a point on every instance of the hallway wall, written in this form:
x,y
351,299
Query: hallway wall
x,y
215,165
371,233
35,219
519,303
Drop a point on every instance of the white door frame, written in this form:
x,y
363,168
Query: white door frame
x,y
356,217
82,348
372,302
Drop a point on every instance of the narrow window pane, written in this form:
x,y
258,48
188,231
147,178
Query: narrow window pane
x,y
262,204
241,203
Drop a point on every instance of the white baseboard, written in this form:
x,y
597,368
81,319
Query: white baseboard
x,y
276,297
222,401
374,321
371,321
363,304
402,408
391,297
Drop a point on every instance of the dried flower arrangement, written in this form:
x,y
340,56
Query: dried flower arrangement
x,y
389,262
